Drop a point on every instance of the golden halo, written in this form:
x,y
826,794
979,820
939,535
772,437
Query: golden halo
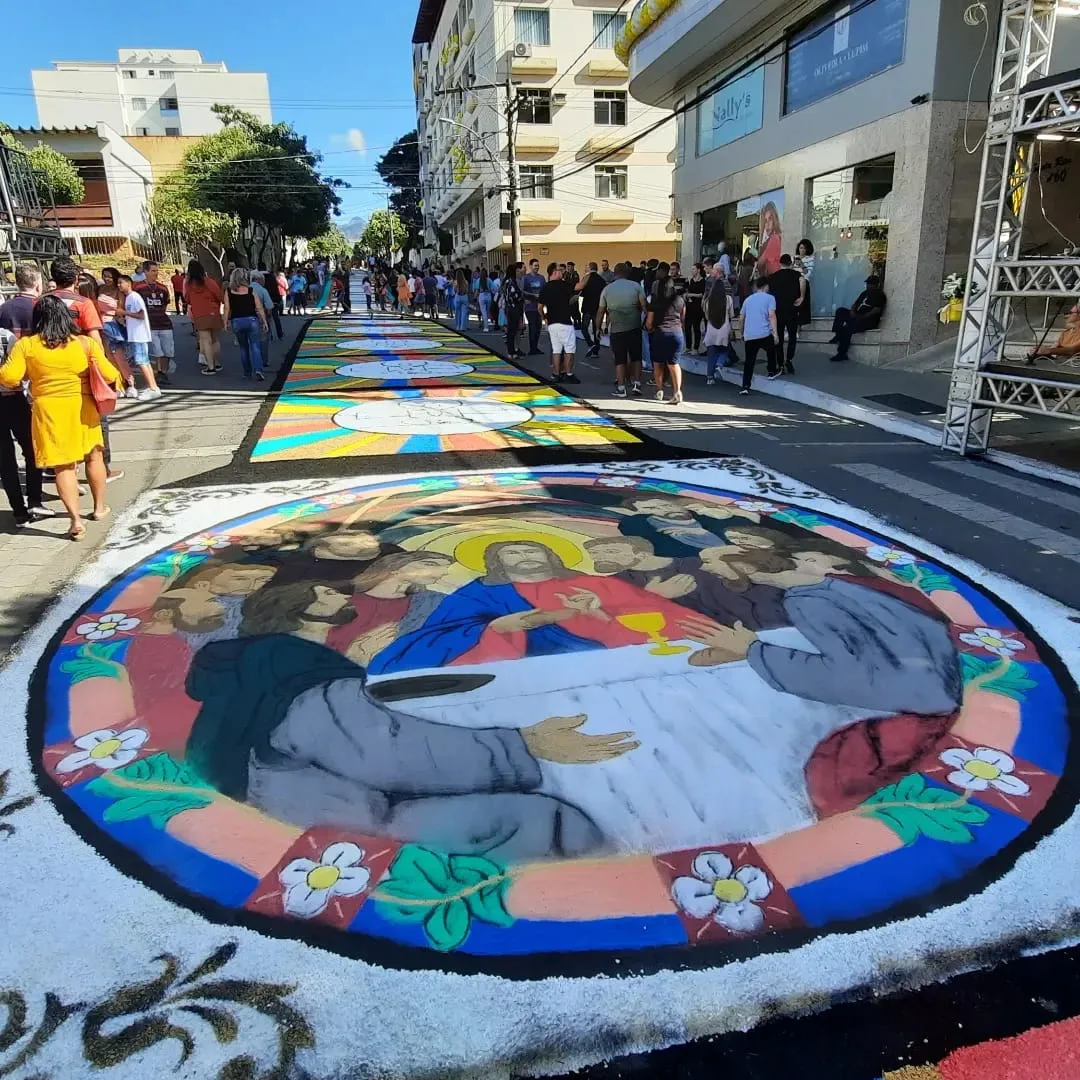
x,y
470,553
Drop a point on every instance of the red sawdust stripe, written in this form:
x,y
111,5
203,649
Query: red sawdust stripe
x,y
1045,1053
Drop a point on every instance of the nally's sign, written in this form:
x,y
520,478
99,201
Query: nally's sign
x,y
733,110
846,45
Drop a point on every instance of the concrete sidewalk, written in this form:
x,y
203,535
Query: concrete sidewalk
x,y
195,427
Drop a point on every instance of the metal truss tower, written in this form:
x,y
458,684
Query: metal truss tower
x,y
29,229
1024,103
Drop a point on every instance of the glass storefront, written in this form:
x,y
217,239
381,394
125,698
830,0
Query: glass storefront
x,y
848,223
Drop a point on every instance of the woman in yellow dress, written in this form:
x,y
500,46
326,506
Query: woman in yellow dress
x,y
65,426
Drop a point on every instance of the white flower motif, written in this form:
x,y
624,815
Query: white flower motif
x,y
207,542
336,498
617,481
105,749
728,898
982,637
755,507
106,626
889,556
309,885
986,768
475,481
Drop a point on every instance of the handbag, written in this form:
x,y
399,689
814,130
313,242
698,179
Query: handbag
x,y
103,394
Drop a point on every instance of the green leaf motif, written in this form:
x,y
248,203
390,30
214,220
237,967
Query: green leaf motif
x,y
173,566
906,573
1012,682
932,581
94,661
447,925
799,517
159,770
912,808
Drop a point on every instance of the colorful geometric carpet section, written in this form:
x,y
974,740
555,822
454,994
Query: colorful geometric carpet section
x,y
1045,1053
369,386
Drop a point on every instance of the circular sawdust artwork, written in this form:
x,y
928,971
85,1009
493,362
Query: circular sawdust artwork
x,y
387,344
404,369
558,721
432,416
390,329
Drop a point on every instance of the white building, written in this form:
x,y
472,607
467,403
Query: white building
x,y
146,92
578,201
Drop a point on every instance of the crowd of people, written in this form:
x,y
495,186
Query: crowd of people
x,y
650,315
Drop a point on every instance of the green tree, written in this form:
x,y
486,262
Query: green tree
x,y
172,212
358,252
265,176
53,173
377,235
400,169
331,243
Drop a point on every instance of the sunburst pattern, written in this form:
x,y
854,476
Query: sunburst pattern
x,y
430,421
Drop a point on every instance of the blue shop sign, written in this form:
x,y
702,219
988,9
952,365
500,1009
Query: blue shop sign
x,y
848,44
733,110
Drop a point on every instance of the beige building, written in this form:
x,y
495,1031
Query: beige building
x,y
577,200
146,92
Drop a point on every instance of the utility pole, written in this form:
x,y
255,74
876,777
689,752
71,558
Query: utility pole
x,y
512,176
390,223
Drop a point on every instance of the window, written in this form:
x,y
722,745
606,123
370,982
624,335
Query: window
x,y
611,181
169,104
532,25
537,181
606,29
534,106
138,104
142,131
150,73
166,74
609,107
172,131
129,74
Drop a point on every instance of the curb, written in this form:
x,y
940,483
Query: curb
x,y
897,425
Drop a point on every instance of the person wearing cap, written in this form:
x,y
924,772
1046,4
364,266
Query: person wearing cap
x,y
864,314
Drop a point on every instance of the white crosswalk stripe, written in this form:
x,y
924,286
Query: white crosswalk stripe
x,y
1048,541
999,478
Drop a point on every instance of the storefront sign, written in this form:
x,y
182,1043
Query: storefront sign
x,y
846,45
734,110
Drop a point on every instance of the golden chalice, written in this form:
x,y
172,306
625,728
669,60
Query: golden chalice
x,y
651,623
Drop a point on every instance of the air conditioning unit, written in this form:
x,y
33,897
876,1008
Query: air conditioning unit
x,y
558,99
522,50
423,69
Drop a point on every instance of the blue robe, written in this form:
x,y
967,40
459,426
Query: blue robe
x,y
459,622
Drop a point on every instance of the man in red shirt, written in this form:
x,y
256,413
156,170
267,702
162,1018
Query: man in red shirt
x,y
162,346
65,273
179,299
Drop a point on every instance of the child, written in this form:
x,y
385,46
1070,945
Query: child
x,y
368,291
137,324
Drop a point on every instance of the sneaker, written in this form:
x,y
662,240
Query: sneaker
x,y
677,398
131,392
789,368
620,391
741,392
659,395
571,377
113,474
775,375
162,378
172,367
636,389
260,376
39,511
710,382
594,351
837,359
22,520
149,395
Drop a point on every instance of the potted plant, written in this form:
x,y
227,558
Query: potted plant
x,y
952,292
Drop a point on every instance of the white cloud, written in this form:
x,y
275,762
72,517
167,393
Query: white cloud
x,y
353,139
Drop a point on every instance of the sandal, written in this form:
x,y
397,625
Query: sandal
x,y
78,532
100,517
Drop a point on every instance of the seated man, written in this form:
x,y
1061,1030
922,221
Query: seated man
x,y
865,314
1068,342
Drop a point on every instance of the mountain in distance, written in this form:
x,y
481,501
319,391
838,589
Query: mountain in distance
x,y
354,227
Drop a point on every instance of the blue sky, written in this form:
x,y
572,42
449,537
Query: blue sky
x,y
341,73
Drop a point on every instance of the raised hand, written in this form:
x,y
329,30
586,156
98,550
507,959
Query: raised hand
x,y
673,587
558,739
583,601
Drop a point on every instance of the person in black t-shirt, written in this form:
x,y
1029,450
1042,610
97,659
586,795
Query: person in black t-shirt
x,y
554,303
589,290
865,314
788,287
573,279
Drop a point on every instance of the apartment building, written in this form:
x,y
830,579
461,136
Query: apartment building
x,y
582,195
855,126
146,92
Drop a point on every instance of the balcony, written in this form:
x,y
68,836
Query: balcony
x,y
540,216
529,145
468,32
535,66
85,216
607,68
610,217
609,144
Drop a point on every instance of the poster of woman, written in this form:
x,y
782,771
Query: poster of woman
x,y
770,233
